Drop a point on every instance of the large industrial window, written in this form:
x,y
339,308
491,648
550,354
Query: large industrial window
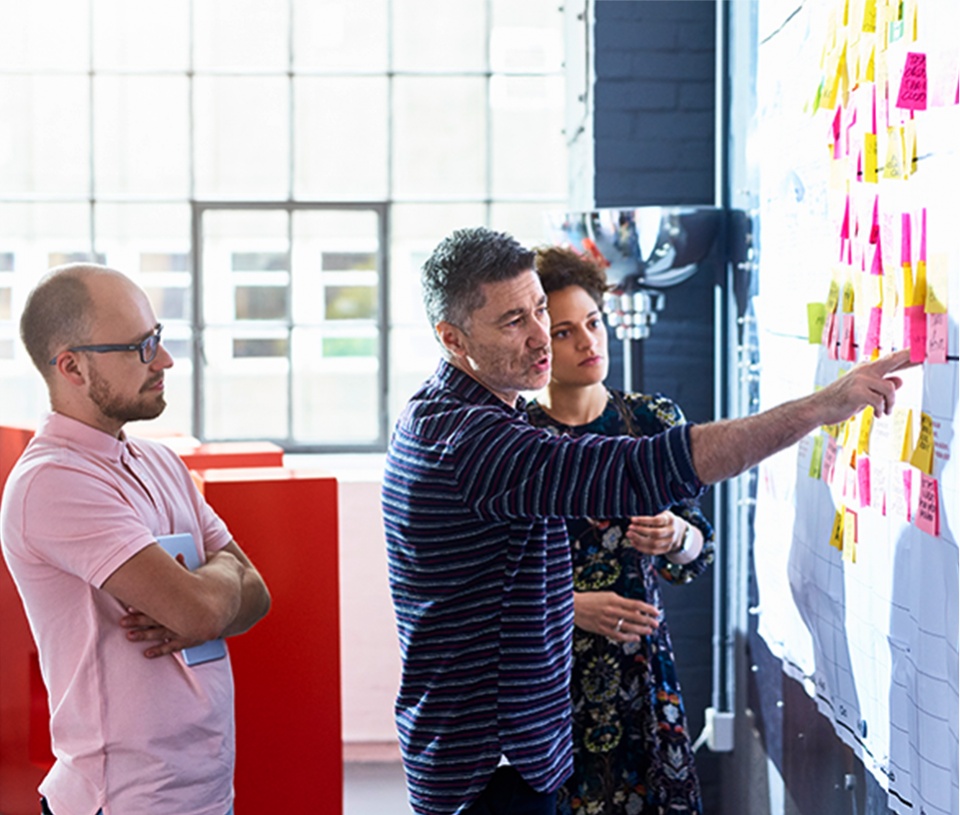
x,y
273,173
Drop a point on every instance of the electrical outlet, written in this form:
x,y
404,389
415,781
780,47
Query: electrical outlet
x,y
719,728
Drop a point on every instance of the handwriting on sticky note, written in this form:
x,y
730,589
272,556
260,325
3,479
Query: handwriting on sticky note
x,y
937,338
928,508
913,83
816,315
863,480
922,457
850,536
915,332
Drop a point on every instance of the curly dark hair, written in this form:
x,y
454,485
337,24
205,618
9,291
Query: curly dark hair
x,y
461,263
560,267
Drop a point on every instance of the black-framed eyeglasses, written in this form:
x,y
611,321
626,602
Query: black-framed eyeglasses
x,y
147,348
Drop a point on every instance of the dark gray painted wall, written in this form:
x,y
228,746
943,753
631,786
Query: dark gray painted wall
x,y
654,145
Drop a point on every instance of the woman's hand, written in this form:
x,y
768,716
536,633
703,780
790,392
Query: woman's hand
x,y
613,616
656,534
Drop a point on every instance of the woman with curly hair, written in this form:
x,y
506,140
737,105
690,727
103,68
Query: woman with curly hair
x,y
632,751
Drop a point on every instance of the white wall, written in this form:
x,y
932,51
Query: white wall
x,y
369,653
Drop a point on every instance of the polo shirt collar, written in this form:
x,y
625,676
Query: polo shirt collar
x,y
82,436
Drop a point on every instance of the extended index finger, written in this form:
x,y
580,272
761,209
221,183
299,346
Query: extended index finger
x,y
896,361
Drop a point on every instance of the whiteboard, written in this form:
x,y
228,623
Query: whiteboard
x,y
856,558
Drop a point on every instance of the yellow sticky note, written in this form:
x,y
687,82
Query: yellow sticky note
x,y
870,158
920,284
816,316
848,297
908,284
816,458
935,301
871,71
833,296
893,164
836,533
922,457
866,425
903,433
850,536
910,147
870,16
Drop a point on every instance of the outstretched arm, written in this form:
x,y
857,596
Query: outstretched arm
x,y
724,449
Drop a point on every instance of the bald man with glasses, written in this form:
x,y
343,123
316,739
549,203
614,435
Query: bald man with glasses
x,y
136,726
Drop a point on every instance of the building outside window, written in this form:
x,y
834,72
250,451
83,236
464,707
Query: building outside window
x,y
273,173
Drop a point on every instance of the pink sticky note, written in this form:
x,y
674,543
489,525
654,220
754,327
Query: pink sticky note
x,y
905,238
829,462
915,332
847,351
877,266
928,510
907,489
832,338
936,338
875,221
863,479
845,225
837,152
872,340
913,83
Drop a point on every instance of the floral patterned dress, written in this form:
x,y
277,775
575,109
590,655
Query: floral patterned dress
x,y
631,747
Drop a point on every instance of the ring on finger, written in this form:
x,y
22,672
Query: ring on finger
x,y
619,625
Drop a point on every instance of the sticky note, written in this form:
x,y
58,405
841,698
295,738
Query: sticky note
x,y
847,350
928,507
922,457
869,16
871,342
920,285
915,332
893,164
870,158
908,491
833,338
829,461
937,338
816,315
848,297
907,284
913,83
833,295
902,434
836,532
863,480
816,457
935,299
850,536
866,426
910,145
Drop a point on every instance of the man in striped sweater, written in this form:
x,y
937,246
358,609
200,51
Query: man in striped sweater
x,y
474,499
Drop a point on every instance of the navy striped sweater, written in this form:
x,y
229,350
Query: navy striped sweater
x,y
473,504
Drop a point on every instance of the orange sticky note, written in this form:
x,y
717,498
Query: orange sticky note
x,y
913,83
928,508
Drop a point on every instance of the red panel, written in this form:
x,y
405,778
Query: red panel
x,y
287,668
19,777
233,454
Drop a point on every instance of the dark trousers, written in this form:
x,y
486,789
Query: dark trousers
x,y
507,793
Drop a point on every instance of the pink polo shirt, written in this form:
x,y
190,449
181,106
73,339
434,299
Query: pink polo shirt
x,y
131,735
